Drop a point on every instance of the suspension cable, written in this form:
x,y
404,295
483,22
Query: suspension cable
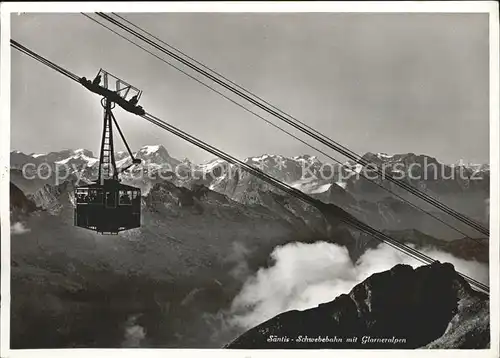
x,y
328,142
329,208
43,60
343,165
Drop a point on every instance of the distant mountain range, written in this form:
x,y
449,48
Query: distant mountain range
x,y
464,188
205,230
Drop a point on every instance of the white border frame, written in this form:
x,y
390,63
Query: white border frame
x,y
490,7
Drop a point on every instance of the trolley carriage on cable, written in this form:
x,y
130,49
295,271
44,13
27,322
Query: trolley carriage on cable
x,y
107,206
115,90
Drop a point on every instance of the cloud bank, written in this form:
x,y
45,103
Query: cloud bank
x,y
305,275
18,228
134,334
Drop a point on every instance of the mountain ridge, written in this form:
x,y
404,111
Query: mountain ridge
x,y
196,246
338,184
402,308
158,147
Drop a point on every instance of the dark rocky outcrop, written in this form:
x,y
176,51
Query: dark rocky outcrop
x,y
431,306
20,205
196,247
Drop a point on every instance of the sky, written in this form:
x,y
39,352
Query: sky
x,y
391,83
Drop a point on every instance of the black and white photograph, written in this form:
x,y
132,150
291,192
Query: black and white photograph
x,y
240,178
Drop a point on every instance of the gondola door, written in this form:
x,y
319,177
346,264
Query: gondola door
x,y
110,199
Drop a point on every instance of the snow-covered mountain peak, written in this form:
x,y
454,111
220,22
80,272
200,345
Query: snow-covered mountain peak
x,y
306,158
156,155
121,155
384,156
212,165
84,153
80,156
266,158
150,149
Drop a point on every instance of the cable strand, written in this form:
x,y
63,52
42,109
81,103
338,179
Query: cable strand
x,y
333,145
339,213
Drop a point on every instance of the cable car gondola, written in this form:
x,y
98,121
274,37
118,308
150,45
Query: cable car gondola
x,y
107,206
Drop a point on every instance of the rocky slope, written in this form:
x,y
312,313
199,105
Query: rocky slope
x,y
463,187
162,285
427,307
189,259
171,277
20,206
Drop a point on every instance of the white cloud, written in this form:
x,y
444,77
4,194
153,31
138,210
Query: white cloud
x,y
134,334
238,255
305,275
19,228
